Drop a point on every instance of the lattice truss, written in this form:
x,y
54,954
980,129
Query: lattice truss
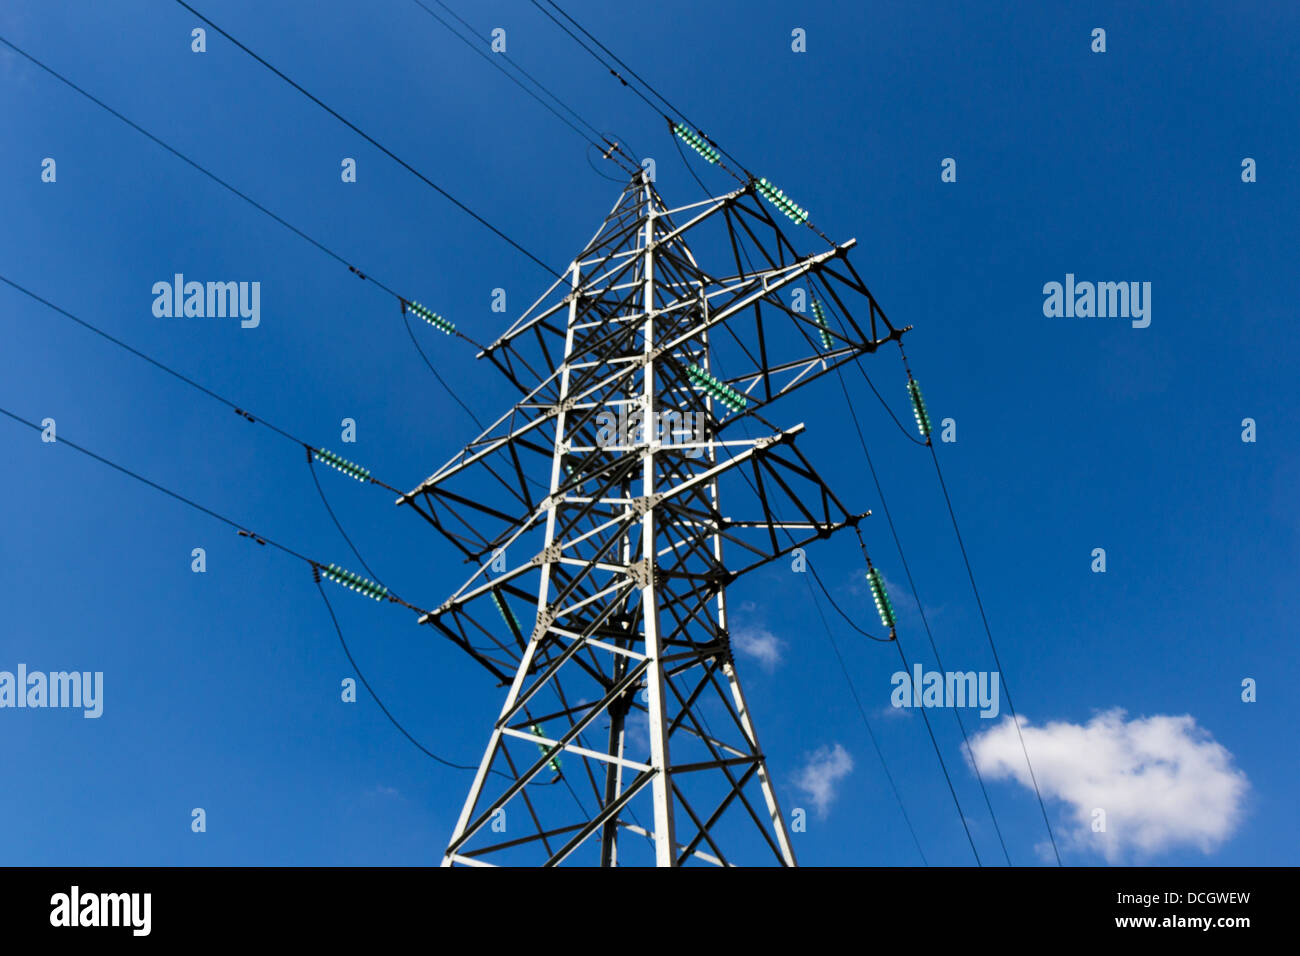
x,y
602,546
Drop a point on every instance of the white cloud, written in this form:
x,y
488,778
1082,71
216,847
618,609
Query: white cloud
x,y
1163,781
760,644
823,769
636,734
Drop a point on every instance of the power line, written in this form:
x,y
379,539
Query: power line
x,y
597,57
993,647
942,765
933,741
952,514
624,81
242,195
691,169
849,680
151,360
407,322
311,467
648,85
912,584
613,179
260,539
496,65
206,172
893,530
884,404
311,450
511,61
857,360
880,491
920,608
242,529
839,610
749,180
240,410
315,565
366,684
863,713
375,143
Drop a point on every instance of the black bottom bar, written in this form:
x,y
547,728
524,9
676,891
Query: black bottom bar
x,y
339,905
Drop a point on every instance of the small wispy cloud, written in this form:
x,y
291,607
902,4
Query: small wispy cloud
x,y
821,773
1163,782
636,734
751,639
760,644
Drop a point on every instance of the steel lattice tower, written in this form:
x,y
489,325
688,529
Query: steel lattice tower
x,y
593,510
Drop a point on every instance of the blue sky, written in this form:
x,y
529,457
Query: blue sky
x,y
221,689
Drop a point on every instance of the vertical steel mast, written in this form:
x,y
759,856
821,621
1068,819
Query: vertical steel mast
x,y
600,595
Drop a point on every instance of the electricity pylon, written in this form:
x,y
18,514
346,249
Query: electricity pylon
x,y
594,511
